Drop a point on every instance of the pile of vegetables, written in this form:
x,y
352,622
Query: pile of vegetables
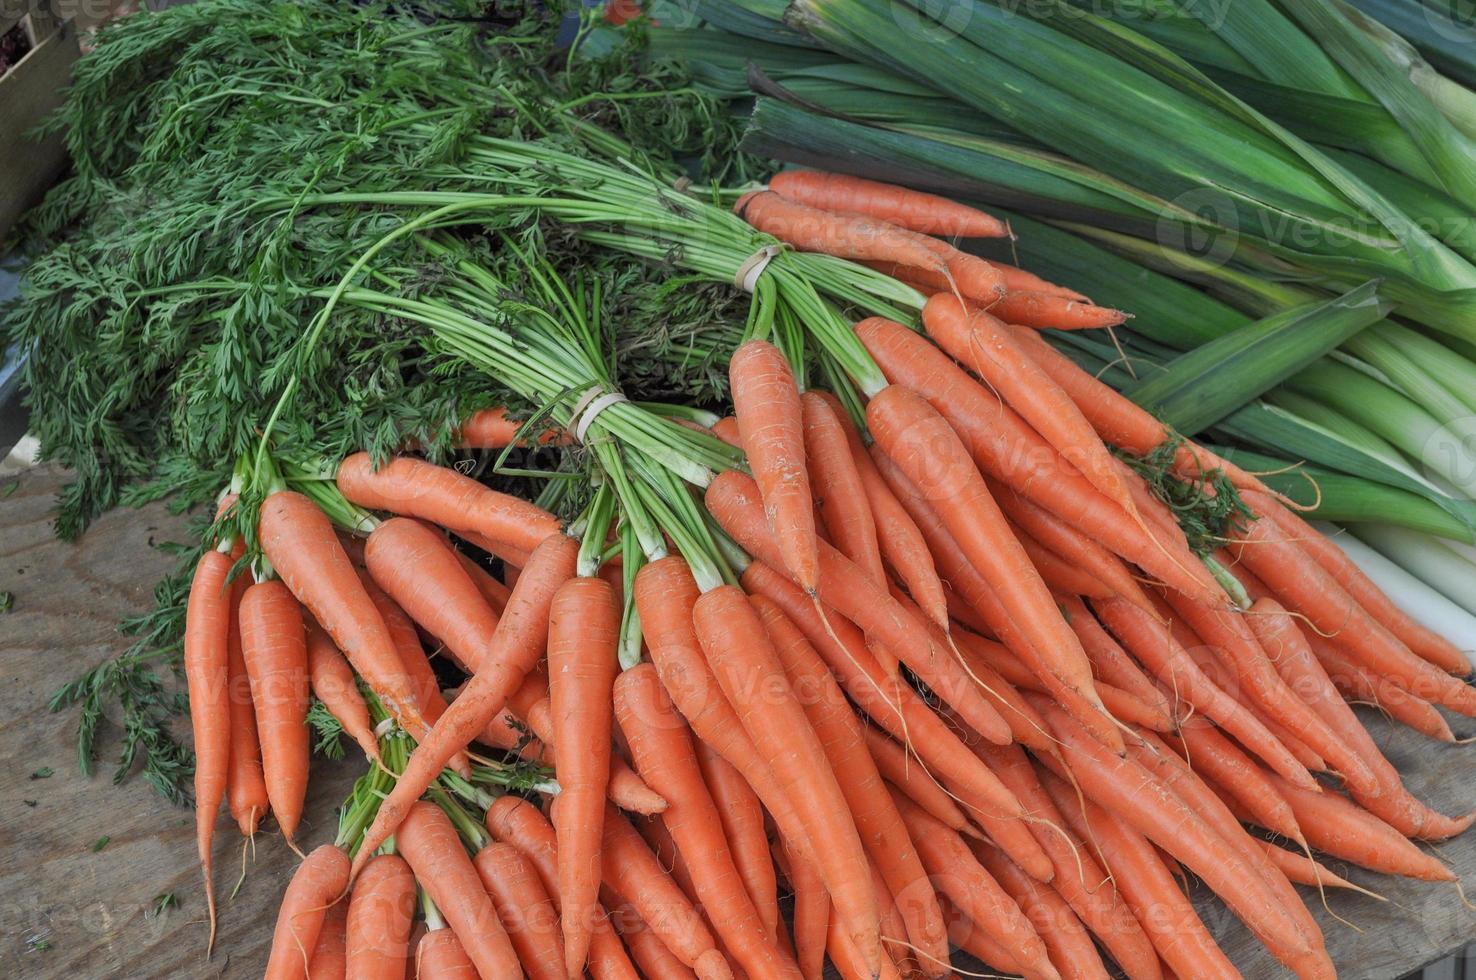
x,y
672,542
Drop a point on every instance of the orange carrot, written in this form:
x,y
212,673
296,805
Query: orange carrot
x,y
515,648
656,962
207,673
380,913
583,633
750,675
245,784
838,489
440,956
726,429
1013,277
1067,941
1060,575
303,549
427,839
662,748
974,941
491,428
317,883
927,214
1109,661
415,488
524,908
1066,541
1223,763
914,782
770,421
1357,683
494,593
1048,311
1302,870
274,646
332,682
330,952
742,816
811,913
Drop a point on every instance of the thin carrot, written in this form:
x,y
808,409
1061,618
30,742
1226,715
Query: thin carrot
x,y
1070,946
770,421
513,820
924,213
428,840
583,633
1013,277
245,784
207,674
380,913
975,941
742,817
656,962
726,429
274,646
303,549
662,748
1109,661
1026,725
440,956
316,884
332,682
838,489
894,930
516,647
524,908
330,952
1356,682
909,777
811,912
1060,575
1302,870
1047,311
415,488
1223,763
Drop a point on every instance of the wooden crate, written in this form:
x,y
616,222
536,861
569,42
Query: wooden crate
x,y
29,91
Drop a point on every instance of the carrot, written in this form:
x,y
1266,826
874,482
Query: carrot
x,y
750,675
892,705
1302,870
656,962
633,872
726,429
1144,802
207,674
742,817
415,488
847,958
506,732
494,593
930,455
1109,661
299,541
1047,311
491,428
924,213
1007,449
894,930
245,784
767,404
664,755
440,956
883,834
330,953
1148,887
956,873
1421,640
316,884
1060,575
427,839
274,646
984,345
733,500
524,908
838,489
1067,941
1302,585
1079,880
1357,683
1383,794
332,682
1026,725
811,918
515,821
974,941
1013,277
515,648
1177,671
1066,541
583,632
380,913
914,782
1223,763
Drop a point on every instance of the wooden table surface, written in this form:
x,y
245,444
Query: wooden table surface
x,y
91,907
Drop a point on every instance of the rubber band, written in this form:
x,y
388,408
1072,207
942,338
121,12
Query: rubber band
x,y
746,278
588,408
384,728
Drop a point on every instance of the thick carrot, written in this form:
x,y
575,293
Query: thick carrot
x,y
524,908
1148,886
894,706
516,647
1223,763
207,674
838,489
726,429
317,883
984,345
1152,643
1421,640
440,956
664,754
583,633
1356,682
751,676
770,420
927,214
956,873
491,428
1153,809
380,913
513,820
1067,941
493,592
1006,448
245,784
742,817
332,682
1384,795
274,646
1079,879
330,952
427,839
303,549
883,834
914,782
733,500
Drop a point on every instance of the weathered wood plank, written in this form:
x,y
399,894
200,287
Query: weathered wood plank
x,y
68,600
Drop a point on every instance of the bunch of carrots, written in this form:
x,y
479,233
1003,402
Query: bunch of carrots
x,y
969,688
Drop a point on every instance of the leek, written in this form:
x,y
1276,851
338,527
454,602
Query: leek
x,y
1425,605
1428,559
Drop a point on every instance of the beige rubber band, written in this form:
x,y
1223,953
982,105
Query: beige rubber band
x,y
746,278
588,408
